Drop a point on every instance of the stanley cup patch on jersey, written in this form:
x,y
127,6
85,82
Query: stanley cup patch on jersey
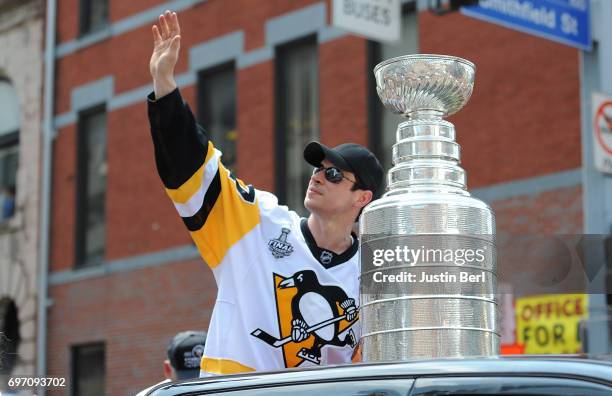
x,y
280,247
310,316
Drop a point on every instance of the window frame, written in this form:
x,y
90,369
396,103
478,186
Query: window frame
x,y
203,117
10,335
280,109
9,141
75,366
81,200
85,18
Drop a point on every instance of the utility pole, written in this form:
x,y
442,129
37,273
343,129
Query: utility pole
x,y
596,76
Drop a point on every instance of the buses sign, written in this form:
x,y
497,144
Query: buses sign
x,y
549,324
375,19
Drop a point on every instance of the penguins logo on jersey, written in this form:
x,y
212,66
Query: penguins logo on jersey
x,y
310,316
280,247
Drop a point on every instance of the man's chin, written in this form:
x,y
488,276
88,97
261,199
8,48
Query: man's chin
x,y
307,204
310,205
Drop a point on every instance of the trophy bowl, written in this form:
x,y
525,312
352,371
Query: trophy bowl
x,y
431,83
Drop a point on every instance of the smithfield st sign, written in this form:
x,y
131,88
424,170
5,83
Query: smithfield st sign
x,y
563,21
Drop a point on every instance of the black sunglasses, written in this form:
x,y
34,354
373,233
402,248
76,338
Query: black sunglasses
x,y
332,174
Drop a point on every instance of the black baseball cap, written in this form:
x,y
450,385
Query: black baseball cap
x,y
185,352
351,157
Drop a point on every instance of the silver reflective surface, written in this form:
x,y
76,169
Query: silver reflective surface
x,y
424,82
427,197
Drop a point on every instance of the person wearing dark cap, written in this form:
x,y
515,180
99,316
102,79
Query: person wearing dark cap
x,y
184,353
288,287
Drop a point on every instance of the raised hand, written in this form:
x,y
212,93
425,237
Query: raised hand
x,y
166,45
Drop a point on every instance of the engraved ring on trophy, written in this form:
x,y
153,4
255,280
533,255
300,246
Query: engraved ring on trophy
x,y
428,255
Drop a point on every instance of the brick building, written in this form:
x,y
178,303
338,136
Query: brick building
x,y
264,77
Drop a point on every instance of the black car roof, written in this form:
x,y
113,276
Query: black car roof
x,y
586,369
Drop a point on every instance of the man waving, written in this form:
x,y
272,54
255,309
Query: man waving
x,y
288,287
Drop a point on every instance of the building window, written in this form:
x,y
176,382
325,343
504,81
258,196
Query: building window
x,y
297,112
9,160
88,370
9,335
91,188
382,123
9,148
94,16
217,109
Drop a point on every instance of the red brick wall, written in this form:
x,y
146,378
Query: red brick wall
x,y
67,22
126,57
523,119
135,313
124,9
255,109
530,258
63,199
552,212
68,15
343,91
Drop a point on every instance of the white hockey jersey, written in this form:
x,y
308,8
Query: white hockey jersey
x,y
270,273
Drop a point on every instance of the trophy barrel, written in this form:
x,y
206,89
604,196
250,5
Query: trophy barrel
x,y
423,319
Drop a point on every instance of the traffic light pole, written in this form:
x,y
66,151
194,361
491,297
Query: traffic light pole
x,y
595,76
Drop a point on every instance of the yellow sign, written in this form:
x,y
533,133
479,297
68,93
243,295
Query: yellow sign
x,y
548,324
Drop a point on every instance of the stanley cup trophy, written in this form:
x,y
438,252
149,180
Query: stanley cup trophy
x,y
428,256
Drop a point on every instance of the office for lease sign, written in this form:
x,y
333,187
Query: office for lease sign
x,y
549,324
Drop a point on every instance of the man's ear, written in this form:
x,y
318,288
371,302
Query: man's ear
x,y
168,372
364,198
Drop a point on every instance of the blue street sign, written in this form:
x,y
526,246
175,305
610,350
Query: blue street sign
x,y
564,21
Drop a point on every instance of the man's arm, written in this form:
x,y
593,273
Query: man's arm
x,y
217,208
180,146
